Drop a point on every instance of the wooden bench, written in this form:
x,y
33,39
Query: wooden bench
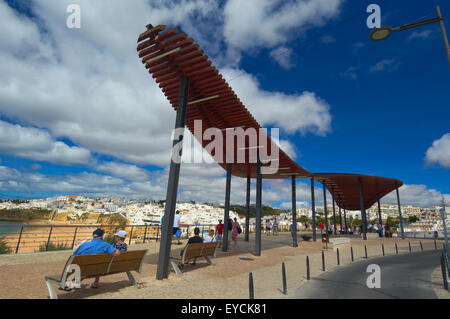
x,y
97,265
192,251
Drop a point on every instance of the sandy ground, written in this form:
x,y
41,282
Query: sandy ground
x,y
22,276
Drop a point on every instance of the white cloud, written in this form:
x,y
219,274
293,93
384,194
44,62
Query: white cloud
x,y
294,113
36,144
264,23
425,34
385,64
416,195
130,172
439,152
350,73
283,56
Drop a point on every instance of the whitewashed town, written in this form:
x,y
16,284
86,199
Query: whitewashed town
x,y
143,212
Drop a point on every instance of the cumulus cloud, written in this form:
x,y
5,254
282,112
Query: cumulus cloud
x,y
439,152
264,23
384,65
305,113
87,86
416,195
36,144
283,56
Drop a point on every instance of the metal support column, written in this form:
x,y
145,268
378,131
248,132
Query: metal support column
x,y
313,208
334,210
400,213
444,33
294,214
258,208
226,216
379,213
363,209
247,209
325,206
340,219
345,220
172,185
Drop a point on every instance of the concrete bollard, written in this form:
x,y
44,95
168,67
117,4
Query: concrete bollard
x,y
308,275
444,271
250,286
323,261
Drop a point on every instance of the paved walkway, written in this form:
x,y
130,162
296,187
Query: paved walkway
x,y
402,276
22,275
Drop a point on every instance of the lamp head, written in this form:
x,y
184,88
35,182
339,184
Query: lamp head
x,y
379,34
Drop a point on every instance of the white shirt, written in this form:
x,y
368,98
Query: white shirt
x,y
208,239
176,220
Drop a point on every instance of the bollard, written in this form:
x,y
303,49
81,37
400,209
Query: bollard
x,y
308,275
48,241
396,249
444,271
145,234
74,236
18,242
250,286
382,248
365,250
409,245
435,247
337,255
323,261
421,247
283,274
351,252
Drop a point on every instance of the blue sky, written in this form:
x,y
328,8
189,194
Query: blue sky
x,y
79,114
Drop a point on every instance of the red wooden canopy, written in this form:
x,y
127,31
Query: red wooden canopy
x,y
168,55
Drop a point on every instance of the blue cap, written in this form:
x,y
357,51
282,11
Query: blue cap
x,y
98,233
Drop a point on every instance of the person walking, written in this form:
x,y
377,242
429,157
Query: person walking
x,y
219,232
176,225
275,227
235,232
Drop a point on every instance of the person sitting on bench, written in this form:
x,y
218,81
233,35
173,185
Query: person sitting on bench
x,y
96,246
196,239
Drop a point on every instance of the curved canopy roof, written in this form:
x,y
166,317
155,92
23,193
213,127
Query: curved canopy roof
x,y
346,188
168,55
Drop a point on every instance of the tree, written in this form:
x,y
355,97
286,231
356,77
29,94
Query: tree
x,y
413,219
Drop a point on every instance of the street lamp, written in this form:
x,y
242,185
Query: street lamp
x,y
384,32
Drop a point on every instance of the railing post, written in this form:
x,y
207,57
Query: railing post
x,y
18,241
145,234
131,235
49,236
74,236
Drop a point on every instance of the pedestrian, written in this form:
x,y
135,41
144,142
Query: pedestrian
x,y
176,226
321,227
275,227
236,230
268,227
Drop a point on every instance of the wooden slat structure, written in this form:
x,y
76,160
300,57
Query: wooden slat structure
x,y
169,54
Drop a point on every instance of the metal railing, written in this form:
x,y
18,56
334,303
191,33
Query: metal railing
x,y
24,238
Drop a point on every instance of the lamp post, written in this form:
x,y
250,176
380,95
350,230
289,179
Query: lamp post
x,y
384,32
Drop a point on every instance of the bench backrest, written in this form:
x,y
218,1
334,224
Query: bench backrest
x,y
199,250
105,264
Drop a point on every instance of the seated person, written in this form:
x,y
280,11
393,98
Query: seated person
x,y
196,239
120,241
209,238
96,246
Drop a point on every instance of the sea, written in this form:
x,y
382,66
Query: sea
x,y
8,227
